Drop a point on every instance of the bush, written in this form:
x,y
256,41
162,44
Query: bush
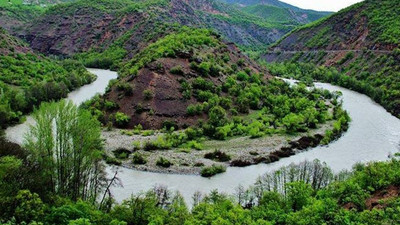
x,y
147,133
138,159
218,156
112,160
121,119
168,125
125,87
194,145
121,153
212,170
193,110
217,116
177,70
109,105
242,76
147,94
163,162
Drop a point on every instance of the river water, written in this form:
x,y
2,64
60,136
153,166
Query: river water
x,y
373,135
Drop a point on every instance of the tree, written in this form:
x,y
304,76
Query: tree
x,y
298,194
293,122
217,116
121,119
65,142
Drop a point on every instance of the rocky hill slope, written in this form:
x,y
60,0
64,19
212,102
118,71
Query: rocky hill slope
x,y
77,27
361,41
181,70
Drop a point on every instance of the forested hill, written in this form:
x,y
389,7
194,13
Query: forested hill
x,y
371,24
27,78
362,42
274,10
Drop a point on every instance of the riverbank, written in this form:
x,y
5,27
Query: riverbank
x,y
235,152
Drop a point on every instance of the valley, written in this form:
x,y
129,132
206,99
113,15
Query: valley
x,y
198,112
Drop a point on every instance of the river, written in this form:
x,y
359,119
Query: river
x,y
373,135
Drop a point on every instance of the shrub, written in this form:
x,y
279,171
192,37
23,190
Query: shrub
x,y
147,133
163,162
193,133
168,125
136,145
109,105
218,156
138,159
121,119
177,70
212,170
121,153
147,94
194,145
125,87
240,62
193,110
201,84
112,160
217,116
242,76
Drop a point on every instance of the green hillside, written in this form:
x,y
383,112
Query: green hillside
x,y
359,45
28,79
274,10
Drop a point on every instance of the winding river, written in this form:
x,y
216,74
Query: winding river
x,y
374,134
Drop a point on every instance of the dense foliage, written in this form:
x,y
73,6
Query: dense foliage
x,y
28,79
168,46
377,77
284,15
307,193
69,162
376,22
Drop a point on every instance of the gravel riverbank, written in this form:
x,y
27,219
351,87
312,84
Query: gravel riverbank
x,y
242,151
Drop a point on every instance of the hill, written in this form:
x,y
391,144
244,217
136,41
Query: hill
x,y
277,11
361,42
66,29
28,79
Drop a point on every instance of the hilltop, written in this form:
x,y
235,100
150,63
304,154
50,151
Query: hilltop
x,y
360,42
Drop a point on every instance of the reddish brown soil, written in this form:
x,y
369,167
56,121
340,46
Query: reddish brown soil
x,y
167,103
378,199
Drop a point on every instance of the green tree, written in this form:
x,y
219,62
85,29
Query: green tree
x,y
65,142
217,116
298,194
293,122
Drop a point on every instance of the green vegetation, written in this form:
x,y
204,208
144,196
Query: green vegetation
x,y
279,14
138,159
168,47
35,190
57,170
218,156
27,80
377,77
244,103
15,11
212,170
163,162
121,120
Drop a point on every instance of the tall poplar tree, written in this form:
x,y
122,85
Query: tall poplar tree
x,y
66,144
